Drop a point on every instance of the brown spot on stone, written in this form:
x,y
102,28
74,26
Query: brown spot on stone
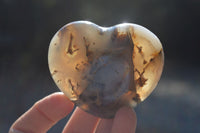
x,y
119,36
54,72
134,36
131,30
114,34
74,46
55,44
88,52
77,84
132,47
141,81
130,39
72,87
58,81
157,53
139,49
122,37
151,59
134,53
75,50
70,82
77,67
160,52
144,62
70,45
70,50
84,63
137,98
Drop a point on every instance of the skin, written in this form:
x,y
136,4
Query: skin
x,y
49,110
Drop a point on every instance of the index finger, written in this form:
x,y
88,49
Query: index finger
x,y
43,115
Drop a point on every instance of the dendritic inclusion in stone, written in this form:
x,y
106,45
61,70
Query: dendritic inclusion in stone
x,y
102,69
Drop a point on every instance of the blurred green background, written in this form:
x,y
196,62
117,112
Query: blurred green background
x,y
27,26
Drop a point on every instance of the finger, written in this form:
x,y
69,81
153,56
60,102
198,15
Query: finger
x,y
81,122
104,126
125,121
43,115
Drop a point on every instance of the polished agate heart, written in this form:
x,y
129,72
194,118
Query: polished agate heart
x,y
102,69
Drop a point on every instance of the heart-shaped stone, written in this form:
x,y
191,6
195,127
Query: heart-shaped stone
x,y
102,69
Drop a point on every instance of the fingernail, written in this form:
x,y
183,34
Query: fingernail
x,y
15,131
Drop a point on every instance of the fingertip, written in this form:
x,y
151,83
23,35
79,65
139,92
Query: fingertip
x,y
125,120
127,112
81,122
53,104
104,126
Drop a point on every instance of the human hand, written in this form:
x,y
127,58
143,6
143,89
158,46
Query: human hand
x,y
49,110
